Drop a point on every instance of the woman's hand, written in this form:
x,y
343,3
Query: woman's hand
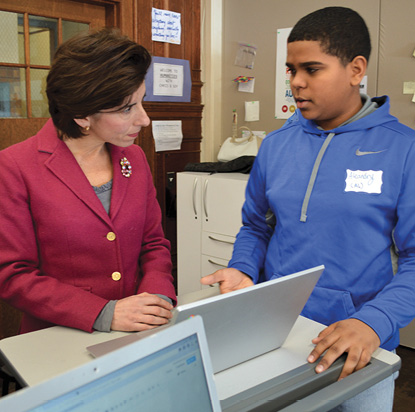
x,y
140,312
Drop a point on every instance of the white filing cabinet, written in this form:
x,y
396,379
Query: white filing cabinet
x,y
208,219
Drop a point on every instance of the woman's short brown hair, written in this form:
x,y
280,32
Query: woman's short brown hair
x,y
91,72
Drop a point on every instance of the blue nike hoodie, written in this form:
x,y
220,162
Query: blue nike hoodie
x,y
344,198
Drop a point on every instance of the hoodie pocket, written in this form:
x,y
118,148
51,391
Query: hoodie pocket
x,y
328,305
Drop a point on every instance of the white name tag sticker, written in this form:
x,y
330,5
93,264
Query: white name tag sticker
x,y
366,181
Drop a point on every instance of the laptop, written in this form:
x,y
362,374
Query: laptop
x,y
243,324
168,371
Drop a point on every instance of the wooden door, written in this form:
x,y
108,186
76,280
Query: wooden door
x,y
32,30
166,164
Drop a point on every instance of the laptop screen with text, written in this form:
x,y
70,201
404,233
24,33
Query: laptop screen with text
x,y
165,375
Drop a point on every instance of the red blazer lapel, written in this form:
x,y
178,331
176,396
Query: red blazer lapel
x,y
120,183
65,167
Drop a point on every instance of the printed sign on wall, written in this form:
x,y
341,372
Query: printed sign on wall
x,y
284,101
168,80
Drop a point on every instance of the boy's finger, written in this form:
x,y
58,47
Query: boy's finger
x,y
210,279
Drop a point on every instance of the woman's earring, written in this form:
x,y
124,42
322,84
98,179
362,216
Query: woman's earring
x,y
86,128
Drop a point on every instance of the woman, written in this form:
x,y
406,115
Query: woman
x,y
80,227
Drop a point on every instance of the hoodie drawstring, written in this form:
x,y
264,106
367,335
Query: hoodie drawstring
x,y
313,176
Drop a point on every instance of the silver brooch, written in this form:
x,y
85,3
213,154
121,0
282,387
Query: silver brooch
x,y
126,168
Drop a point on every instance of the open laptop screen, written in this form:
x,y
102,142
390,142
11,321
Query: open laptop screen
x,y
158,382
169,370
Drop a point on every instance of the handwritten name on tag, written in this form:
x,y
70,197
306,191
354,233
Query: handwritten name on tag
x,y
367,181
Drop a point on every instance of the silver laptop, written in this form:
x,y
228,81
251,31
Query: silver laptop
x,y
168,371
243,324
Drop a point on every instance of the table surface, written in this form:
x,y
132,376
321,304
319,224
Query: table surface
x,y
41,355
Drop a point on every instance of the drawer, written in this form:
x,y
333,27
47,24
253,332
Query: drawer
x,y
220,246
211,264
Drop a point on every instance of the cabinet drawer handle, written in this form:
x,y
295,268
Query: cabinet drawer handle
x,y
205,199
216,263
194,197
221,240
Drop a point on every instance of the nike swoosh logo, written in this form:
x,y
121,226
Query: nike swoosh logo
x,y
359,153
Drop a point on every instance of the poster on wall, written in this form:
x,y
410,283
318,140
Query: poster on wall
x,y
166,26
168,80
167,134
284,101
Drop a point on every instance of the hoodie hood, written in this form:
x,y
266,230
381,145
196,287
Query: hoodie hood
x,y
359,121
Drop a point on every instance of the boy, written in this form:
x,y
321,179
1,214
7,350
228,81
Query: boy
x,y
339,178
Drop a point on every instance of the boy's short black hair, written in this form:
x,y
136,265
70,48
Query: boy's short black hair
x,y
341,32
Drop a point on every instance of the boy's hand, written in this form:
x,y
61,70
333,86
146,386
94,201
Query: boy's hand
x,y
229,279
350,335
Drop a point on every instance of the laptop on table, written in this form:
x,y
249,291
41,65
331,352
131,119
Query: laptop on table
x,y
243,324
168,371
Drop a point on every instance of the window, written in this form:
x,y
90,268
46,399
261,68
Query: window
x,y
27,46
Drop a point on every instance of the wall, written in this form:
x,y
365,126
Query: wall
x,y
391,63
211,75
396,64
